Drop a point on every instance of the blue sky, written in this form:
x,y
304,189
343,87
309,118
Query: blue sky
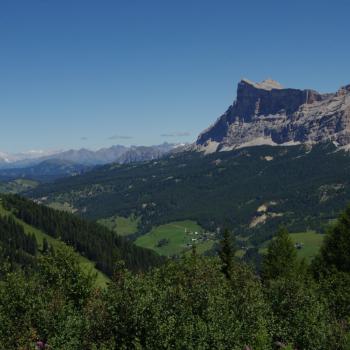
x,y
82,73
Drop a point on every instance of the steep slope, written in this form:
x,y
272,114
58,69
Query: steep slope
x,y
91,240
266,113
21,243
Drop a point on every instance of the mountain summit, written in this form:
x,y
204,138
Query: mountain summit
x,y
267,113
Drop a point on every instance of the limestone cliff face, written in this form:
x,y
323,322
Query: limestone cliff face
x,y
267,113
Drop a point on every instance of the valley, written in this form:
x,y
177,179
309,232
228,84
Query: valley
x,y
264,163
277,156
250,191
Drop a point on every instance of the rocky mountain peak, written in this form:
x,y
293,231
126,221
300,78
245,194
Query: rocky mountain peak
x,y
267,113
267,84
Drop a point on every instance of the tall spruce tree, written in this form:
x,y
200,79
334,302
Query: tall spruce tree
x,y
45,248
227,253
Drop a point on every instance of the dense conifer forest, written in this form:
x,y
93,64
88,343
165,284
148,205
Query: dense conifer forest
x,y
91,240
194,302
18,247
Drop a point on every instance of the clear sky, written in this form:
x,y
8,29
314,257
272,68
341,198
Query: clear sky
x,y
83,73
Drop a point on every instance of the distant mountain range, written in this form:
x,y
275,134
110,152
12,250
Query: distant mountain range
x,y
83,156
268,114
9,159
51,166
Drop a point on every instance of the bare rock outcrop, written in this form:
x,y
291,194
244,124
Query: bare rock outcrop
x,y
267,113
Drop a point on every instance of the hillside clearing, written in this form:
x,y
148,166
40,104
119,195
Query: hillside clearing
x,y
307,244
176,238
123,226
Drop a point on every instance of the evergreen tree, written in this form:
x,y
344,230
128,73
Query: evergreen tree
x,y
51,250
33,246
332,271
45,246
336,247
281,257
227,253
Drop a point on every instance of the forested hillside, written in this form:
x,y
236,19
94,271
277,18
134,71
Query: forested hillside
x,y
91,240
15,245
191,303
251,191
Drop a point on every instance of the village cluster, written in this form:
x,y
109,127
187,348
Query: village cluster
x,y
198,237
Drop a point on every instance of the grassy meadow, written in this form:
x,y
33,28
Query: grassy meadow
x,y
121,225
175,238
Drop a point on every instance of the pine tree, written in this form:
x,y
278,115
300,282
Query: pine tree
x,y
33,244
45,246
227,254
51,250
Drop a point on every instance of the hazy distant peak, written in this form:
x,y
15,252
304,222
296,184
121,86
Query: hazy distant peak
x,y
83,156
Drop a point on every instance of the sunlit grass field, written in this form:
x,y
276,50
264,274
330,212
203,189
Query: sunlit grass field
x,y
179,235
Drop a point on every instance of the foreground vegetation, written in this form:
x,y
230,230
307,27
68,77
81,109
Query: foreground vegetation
x,y
192,303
